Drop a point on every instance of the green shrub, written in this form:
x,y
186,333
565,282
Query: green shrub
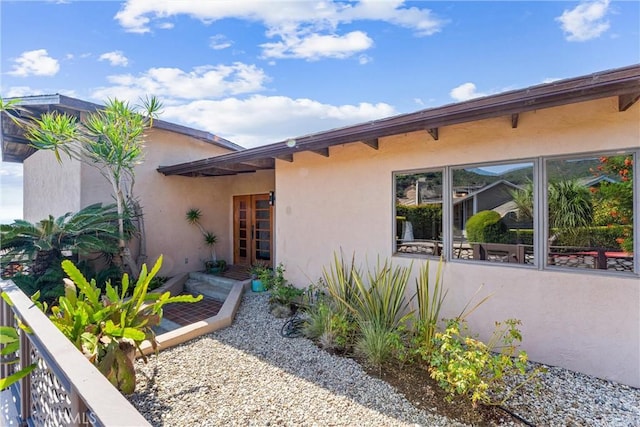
x,y
596,237
331,328
487,227
425,219
467,367
521,236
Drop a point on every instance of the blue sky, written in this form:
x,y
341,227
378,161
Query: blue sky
x,y
258,72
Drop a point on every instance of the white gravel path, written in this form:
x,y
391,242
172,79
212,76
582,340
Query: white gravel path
x,y
248,375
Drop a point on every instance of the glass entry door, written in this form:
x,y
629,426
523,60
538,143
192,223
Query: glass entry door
x,y
252,230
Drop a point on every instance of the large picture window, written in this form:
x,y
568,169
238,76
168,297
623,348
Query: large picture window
x,y
493,213
419,212
590,212
574,212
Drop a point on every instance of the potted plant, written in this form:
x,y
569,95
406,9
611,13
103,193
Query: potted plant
x,y
260,277
212,265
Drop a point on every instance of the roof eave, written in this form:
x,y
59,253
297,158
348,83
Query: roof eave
x,y
621,82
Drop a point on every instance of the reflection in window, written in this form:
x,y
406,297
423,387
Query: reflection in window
x,y
419,213
590,212
493,213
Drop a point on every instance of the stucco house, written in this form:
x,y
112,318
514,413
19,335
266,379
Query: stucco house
x,y
296,202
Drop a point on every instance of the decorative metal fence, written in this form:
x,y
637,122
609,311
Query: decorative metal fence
x,y
65,389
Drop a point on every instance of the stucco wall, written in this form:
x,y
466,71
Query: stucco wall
x,y
585,322
53,188
50,187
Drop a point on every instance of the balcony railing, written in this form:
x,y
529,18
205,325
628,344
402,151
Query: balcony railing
x,y
65,389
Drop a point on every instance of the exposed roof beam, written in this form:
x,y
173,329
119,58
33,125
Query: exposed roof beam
x,y
433,132
626,101
373,143
322,151
514,120
285,157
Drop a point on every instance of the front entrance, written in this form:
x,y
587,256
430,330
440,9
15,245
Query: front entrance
x,y
252,230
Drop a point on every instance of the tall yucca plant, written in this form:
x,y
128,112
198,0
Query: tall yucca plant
x,y
110,139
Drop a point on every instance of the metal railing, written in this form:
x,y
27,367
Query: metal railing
x,y
65,389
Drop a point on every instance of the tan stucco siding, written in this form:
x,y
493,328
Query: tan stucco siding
x,y
586,322
50,187
57,189
166,199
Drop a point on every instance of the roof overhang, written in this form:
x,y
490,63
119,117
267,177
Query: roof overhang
x,y
623,83
16,148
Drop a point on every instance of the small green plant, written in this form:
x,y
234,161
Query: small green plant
x,y
467,367
10,344
265,275
194,216
109,328
282,292
330,328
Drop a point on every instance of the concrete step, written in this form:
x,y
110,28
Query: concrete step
x,y
213,279
215,291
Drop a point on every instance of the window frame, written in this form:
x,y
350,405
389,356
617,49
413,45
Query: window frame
x,y
541,213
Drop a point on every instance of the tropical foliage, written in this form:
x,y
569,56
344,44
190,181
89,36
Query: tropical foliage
x,y
34,251
109,139
109,328
9,346
194,217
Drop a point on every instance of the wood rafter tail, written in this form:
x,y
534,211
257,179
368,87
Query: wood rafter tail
x,y
626,101
373,143
285,157
322,151
514,120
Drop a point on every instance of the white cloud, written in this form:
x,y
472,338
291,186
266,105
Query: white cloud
x,y
116,58
550,79
10,192
273,118
202,82
585,21
35,63
465,91
302,28
219,42
19,91
364,59
316,46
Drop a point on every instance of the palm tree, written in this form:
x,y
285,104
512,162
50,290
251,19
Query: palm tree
x,y
110,139
42,245
570,205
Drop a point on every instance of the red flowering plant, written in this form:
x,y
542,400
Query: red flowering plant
x,y
613,201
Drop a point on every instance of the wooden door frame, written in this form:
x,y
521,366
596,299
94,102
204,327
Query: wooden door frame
x,y
251,222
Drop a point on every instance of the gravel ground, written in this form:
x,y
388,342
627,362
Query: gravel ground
x,y
248,374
